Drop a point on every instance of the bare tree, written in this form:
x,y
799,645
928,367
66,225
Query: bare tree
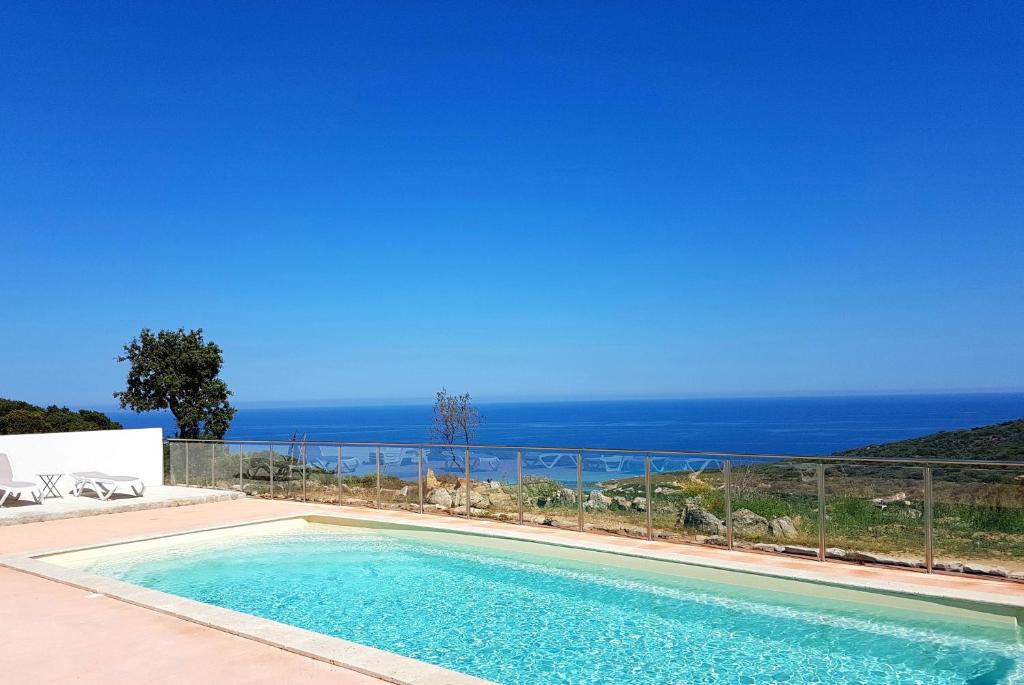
x,y
455,420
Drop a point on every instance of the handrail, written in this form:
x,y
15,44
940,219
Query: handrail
x,y
727,461
892,461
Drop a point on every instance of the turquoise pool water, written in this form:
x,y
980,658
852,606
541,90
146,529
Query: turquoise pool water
x,y
519,618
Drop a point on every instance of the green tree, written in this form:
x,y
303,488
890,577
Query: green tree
x,y
17,417
178,371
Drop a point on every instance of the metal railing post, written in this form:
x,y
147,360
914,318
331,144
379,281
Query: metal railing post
x,y
213,464
303,470
419,470
519,483
821,512
579,487
338,472
727,476
468,497
929,559
241,467
378,476
186,464
271,471
650,499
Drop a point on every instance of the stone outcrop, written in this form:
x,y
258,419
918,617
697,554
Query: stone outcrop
x,y
441,497
747,523
693,515
599,500
782,527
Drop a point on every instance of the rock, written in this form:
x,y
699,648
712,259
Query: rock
x,y
441,497
599,500
620,503
693,515
768,547
501,500
882,559
1017,575
403,491
782,527
982,569
950,566
476,499
493,485
802,551
716,540
640,503
883,502
543,520
835,553
746,522
431,482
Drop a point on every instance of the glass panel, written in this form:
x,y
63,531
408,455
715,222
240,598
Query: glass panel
x,y
494,485
200,464
875,513
444,472
614,494
549,489
225,466
359,476
689,499
775,506
176,463
399,470
322,473
978,520
256,470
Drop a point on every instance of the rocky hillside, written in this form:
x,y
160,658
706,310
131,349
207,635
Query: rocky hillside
x,y
997,442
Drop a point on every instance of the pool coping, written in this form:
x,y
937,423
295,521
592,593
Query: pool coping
x,y
403,670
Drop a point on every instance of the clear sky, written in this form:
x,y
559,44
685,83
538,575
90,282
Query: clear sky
x,y
546,200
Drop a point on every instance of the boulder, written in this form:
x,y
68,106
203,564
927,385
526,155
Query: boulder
x,y
620,503
476,499
716,540
693,515
441,497
782,527
746,522
640,503
835,553
543,520
599,500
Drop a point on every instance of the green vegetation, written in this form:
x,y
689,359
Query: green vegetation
x,y
178,371
997,442
17,418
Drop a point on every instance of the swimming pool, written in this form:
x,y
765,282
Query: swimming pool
x,y
522,612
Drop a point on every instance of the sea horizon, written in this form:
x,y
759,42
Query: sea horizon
x,y
807,425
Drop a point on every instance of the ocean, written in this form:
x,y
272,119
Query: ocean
x,y
791,425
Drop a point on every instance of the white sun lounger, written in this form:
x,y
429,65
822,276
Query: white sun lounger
x,y
105,485
9,486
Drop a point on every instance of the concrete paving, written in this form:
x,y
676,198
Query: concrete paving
x,y
26,510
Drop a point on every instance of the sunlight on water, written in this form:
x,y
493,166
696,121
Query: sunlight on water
x,y
513,618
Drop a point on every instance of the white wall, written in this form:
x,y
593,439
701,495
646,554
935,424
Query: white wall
x,y
132,452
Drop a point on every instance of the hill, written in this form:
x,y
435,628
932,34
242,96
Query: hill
x,y
17,417
996,442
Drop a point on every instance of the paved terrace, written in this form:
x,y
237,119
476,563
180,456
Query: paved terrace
x,y
103,640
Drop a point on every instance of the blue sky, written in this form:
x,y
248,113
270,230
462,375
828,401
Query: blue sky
x,y
547,200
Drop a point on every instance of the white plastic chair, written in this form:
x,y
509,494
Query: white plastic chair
x,y
17,488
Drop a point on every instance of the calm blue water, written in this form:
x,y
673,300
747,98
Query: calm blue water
x,y
766,425
514,618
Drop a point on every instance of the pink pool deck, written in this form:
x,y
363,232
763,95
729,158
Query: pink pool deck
x,y
53,632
